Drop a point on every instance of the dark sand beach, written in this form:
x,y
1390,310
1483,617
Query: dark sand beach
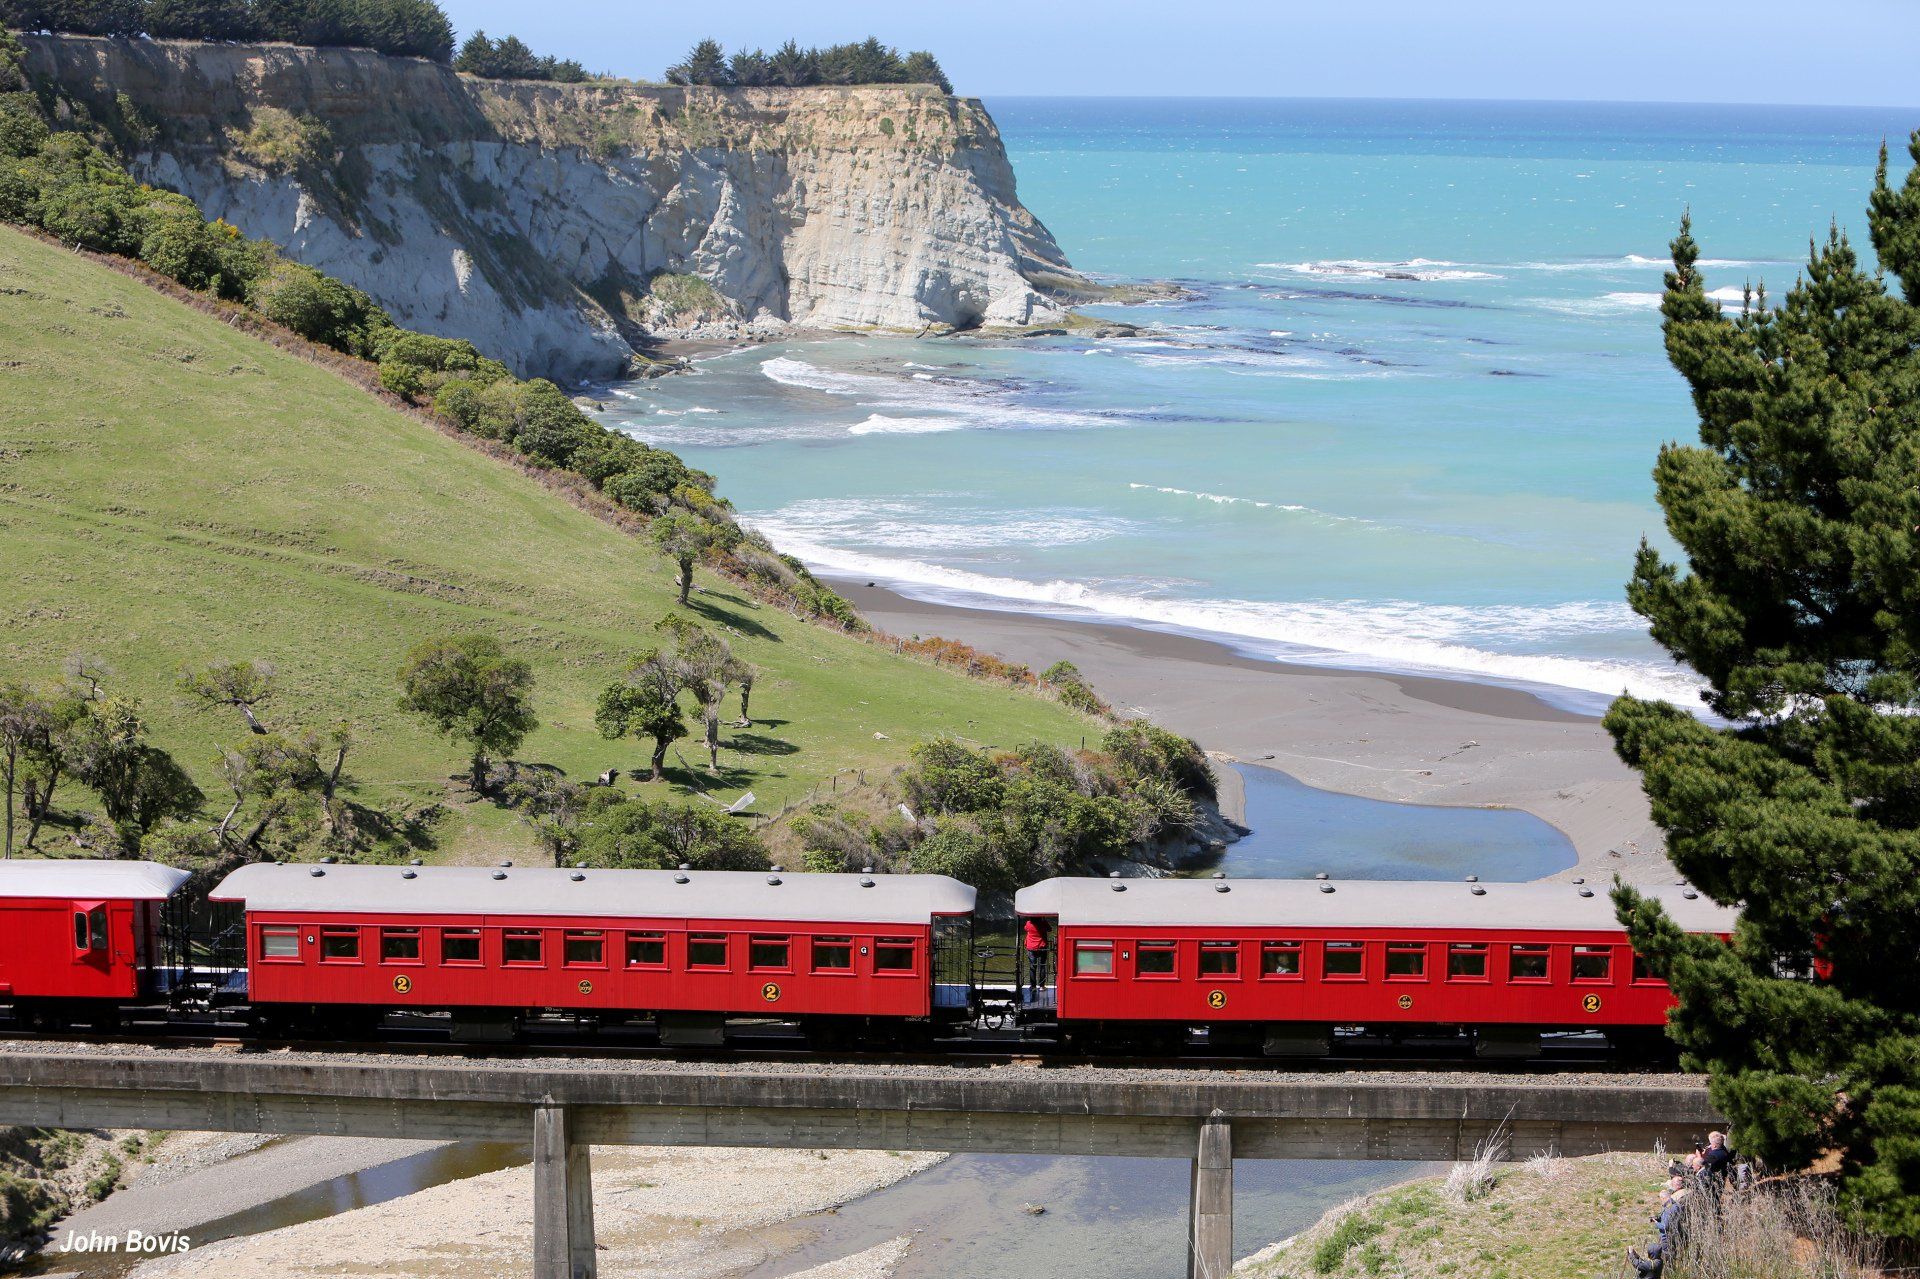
x,y
1407,738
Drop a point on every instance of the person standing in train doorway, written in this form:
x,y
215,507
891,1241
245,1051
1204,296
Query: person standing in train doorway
x,y
1036,943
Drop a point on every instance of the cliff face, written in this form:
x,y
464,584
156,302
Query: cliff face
x,y
537,220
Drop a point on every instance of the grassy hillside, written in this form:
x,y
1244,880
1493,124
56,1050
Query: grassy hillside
x,y
1545,1219
172,490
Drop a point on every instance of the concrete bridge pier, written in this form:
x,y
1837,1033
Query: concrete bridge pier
x,y
563,1244
1210,1211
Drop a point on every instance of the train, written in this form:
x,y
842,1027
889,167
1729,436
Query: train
x,y
1269,967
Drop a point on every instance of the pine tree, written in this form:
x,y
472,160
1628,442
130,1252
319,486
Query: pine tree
x,y
1799,515
705,64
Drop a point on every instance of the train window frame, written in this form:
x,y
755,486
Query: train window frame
x,y
885,946
1591,951
755,964
1220,948
1298,950
1157,948
1479,950
637,937
816,946
402,933
1407,949
510,936
1515,950
1093,947
1641,975
1328,949
594,937
463,934
723,940
279,932
330,935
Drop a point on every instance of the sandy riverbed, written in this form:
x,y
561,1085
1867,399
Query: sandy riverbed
x,y
660,1213
1407,738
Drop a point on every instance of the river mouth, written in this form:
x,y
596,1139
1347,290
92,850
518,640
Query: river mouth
x,y
1104,1218
1298,831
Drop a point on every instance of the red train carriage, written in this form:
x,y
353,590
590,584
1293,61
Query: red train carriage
x,y
1292,959
688,948
80,939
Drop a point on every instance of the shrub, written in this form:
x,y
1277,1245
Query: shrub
x,y
281,142
318,307
623,833
947,777
1143,749
22,131
963,854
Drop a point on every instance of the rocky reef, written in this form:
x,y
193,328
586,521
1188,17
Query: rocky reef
x,y
567,228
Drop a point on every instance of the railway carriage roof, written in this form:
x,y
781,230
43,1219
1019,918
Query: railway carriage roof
x,y
646,894
1301,903
89,880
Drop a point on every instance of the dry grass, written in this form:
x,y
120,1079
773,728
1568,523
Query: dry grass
x,y
1784,1230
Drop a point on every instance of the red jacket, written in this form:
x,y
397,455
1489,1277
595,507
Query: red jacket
x,y
1036,940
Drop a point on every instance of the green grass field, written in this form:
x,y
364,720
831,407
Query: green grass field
x,y
172,490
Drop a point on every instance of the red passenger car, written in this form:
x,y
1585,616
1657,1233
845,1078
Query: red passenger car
x,y
688,949
1293,959
80,939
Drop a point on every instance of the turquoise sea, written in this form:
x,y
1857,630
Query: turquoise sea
x,y
1405,422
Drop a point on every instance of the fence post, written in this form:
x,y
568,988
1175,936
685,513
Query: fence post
x,y
563,1243
1210,1227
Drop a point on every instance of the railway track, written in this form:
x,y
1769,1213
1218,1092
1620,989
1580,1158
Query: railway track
x,y
428,1043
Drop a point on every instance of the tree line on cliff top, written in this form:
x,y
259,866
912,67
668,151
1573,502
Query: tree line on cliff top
x,y
421,29
790,66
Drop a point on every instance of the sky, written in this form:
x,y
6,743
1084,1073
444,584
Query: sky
x,y
1831,52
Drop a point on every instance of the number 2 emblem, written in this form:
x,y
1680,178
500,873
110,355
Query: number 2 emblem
x,y
1216,999
402,984
1591,1003
770,992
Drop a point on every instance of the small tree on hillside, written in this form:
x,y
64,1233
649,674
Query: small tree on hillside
x,y
708,669
1799,516
241,685
469,689
25,720
684,538
645,704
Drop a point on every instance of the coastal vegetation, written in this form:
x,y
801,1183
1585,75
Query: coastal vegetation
x,y
1552,1218
511,59
1799,604
790,66
405,28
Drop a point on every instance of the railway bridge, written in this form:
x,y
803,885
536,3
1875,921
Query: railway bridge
x,y
1210,1117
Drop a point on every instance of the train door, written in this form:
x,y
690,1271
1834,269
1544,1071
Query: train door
x,y
92,941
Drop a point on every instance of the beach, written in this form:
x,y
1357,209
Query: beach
x,y
1405,738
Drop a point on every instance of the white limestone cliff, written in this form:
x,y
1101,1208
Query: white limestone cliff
x,y
561,226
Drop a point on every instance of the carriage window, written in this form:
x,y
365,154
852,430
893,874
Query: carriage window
x,y
584,948
1406,961
1527,963
833,954
707,950
1093,959
279,943
524,946
1344,960
1280,959
768,952
82,932
646,950
400,945
1466,961
1219,958
340,945
893,955
1643,975
1156,959
1593,963
459,946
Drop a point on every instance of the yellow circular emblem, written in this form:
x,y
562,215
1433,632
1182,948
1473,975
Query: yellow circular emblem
x,y
586,988
1591,1003
1405,1002
770,992
1216,999
402,984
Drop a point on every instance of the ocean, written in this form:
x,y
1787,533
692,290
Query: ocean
x,y
1405,422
